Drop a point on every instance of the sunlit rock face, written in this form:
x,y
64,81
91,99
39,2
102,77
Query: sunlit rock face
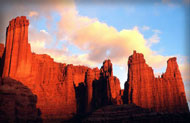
x,y
62,90
162,94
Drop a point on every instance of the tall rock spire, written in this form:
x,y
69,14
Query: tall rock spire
x,y
17,51
165,94
60,88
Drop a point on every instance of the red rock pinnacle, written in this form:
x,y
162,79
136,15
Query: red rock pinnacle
x,y
160,94
18,51
61,88
64,90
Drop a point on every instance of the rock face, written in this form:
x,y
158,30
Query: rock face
x,y
102,87
1,57
1,50
18,103
62,90
165,94
17,48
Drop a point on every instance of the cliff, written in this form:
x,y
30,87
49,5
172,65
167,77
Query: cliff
x,y
62,89
162,94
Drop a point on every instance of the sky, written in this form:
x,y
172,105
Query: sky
x,y
87,33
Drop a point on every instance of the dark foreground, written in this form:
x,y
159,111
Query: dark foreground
x,y
130,113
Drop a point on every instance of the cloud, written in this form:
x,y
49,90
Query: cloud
x,y
156,31
145,28
39,39
176,1
98,39
187,2
155,38
185,71
33,13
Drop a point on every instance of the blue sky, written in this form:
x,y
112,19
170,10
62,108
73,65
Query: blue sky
x,y
170,20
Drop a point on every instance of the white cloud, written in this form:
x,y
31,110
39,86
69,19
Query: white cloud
x,y
33,13
145,28
156,31
89,34
101,40
154,38
44,31
184,66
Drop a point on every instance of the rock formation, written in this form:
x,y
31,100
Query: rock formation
x,y
1,50
130,113
1,57
165,94
18,103
62,90
103,81
18,56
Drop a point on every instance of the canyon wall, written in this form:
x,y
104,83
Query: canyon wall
x,y
62,89
162,94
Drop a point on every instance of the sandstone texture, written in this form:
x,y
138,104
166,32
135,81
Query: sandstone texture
x,y
162,94
62,89
18,103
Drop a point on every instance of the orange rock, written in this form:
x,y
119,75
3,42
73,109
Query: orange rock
x,y
62,89
90,77
165,94
17,48
102,87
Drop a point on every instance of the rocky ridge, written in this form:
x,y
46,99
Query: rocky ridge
x,y
162,94
58,86
64,90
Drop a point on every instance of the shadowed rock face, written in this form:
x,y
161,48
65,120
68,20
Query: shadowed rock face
x,y
165,94
1,50
18,103
130,113
1,57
